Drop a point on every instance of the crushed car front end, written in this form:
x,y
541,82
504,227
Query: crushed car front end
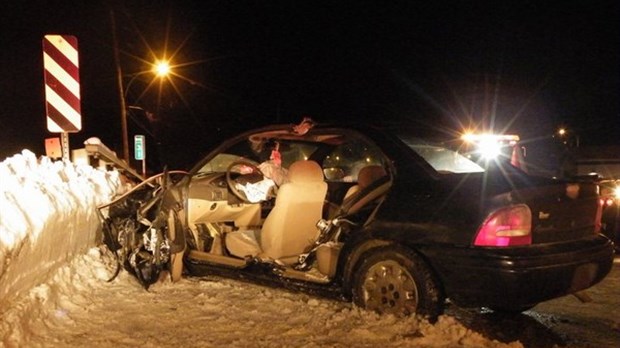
x,y
143,227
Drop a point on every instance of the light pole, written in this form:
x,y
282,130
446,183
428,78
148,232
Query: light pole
x,y
160,69
135,76
119,80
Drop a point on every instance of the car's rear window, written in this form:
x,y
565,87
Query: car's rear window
x,y
442,159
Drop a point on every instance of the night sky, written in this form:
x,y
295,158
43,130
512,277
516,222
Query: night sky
x,y
523,67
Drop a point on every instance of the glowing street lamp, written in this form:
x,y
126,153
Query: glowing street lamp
x,y
161,69
565,134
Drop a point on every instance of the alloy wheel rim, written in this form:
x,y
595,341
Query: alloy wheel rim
x,y
389,288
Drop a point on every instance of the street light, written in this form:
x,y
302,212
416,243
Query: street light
x,y
161,69
565,135
562,131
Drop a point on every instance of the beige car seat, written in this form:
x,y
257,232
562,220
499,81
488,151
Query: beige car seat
x,y
372,182
366,176
290,228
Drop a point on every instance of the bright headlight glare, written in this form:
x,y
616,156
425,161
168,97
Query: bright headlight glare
x,y
489,148
616,192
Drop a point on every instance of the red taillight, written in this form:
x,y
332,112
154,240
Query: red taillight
x,y
599,216
506,227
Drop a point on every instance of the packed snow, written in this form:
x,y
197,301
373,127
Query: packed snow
x,y
73,304
47,216
77,307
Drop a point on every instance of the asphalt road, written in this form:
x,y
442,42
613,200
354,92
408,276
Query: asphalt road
x,y
563,322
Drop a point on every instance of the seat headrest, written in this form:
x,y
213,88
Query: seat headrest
x,y
305,171
369,174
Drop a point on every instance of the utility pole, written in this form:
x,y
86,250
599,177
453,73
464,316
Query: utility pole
x,y
121,94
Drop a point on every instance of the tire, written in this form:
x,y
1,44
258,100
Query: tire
x,y
395,280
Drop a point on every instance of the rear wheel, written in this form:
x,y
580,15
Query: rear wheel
x,y
395,280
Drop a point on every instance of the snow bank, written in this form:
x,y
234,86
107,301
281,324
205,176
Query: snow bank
x,y
47,215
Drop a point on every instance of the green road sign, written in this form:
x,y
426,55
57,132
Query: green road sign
x,y
139,150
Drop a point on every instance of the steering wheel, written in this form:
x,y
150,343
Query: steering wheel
x,y
232,182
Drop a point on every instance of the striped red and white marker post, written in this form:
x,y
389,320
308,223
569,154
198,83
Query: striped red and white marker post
x,y
62,86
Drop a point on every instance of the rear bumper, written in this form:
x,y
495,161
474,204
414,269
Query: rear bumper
x,y
520,277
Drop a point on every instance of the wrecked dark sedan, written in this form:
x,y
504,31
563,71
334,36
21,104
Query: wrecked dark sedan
x,y
392,222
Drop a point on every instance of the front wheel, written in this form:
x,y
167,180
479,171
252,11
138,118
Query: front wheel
x,y
395,280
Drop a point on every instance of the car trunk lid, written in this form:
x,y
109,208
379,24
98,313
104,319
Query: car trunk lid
x,y
561,212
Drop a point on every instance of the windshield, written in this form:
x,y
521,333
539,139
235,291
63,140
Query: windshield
x,y
258,150
220,163
442,159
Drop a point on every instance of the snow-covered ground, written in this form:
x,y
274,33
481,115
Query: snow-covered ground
x,y
74,305
77,308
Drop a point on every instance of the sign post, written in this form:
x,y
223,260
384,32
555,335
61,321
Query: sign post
x,y
140,151
62,87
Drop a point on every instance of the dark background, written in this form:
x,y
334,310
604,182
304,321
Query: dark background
x,y
525,67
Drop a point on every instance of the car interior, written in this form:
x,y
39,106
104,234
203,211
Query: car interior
x,y
327,175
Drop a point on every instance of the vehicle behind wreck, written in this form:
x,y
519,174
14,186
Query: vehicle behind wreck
x,y
395,223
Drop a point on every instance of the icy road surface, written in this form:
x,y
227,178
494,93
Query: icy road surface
x,y
563,322
77,308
